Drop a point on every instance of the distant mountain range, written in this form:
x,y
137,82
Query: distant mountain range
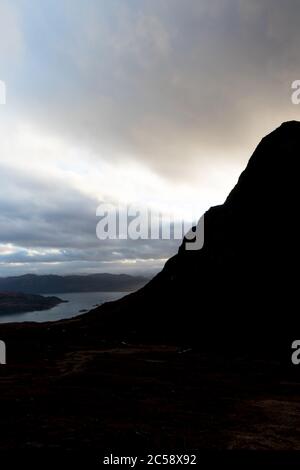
x,y
49,284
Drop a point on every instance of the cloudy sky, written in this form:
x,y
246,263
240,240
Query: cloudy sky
x,y
153,102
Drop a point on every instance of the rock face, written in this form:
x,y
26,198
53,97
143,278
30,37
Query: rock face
x,y
240,288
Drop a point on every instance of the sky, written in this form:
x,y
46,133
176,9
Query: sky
x,y
148,102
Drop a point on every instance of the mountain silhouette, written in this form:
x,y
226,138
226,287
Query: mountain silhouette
x,y
241,285
199,358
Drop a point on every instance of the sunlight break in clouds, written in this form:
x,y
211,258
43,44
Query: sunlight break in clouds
x,y
160,103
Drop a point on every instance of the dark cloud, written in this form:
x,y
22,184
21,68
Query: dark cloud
x,y
157,81
184,89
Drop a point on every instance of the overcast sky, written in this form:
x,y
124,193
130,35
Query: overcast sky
x,y
153,101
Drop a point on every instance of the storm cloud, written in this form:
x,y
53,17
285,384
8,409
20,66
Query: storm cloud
x,y
136,100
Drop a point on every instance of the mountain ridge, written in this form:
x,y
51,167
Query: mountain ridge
x,y
249,243
52,283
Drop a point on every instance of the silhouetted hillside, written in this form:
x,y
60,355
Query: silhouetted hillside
x,y
241,286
